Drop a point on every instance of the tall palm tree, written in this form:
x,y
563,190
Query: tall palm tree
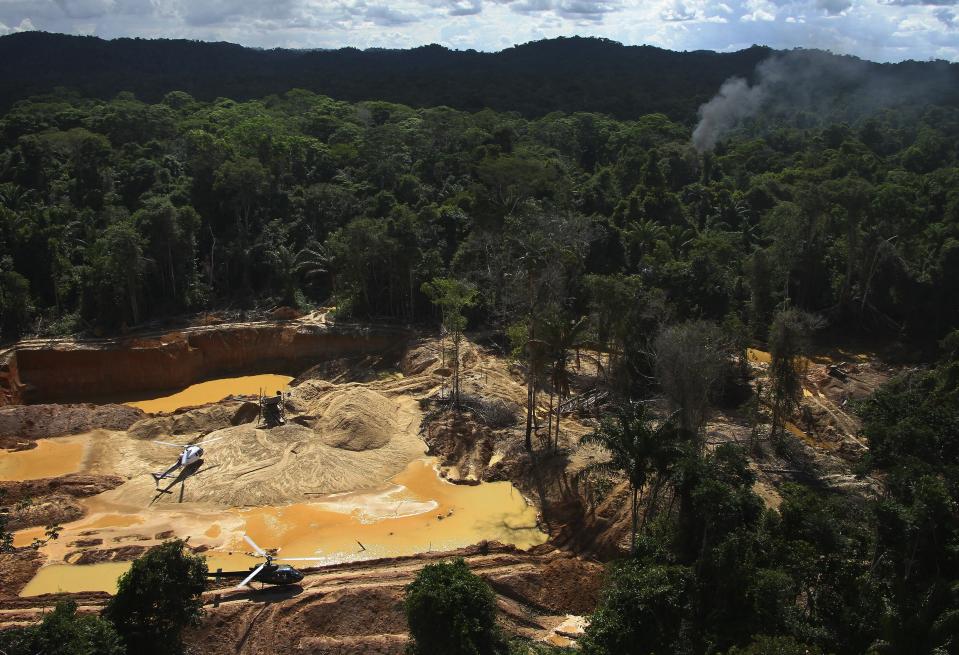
x,y
561,335
289,265
312,260
637,448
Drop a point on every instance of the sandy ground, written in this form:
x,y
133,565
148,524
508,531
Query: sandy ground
x,y
354,439
345,478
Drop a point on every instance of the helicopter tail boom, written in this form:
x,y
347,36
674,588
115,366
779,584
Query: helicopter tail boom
x,y
166,474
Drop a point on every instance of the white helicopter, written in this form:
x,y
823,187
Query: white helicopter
x,y
190,454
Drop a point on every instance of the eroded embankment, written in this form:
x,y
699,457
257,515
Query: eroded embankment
x,y
59,370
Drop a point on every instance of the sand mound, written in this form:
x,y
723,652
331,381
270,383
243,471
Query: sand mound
x,y
356,419
195,421
311,390
420,358
359,439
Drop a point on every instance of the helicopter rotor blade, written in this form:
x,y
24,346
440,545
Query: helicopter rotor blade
x,y
167,443
299,559
259,551
252,575
203,443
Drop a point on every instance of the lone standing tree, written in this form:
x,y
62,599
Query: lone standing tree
x,y
452,296
451,611
158,597
690,361
788,343
637,448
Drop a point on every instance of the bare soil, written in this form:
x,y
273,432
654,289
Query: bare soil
x,y
195,421
357,608
100,555
20,425
51,501
16,570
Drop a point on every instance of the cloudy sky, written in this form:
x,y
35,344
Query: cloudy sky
x,y
881,30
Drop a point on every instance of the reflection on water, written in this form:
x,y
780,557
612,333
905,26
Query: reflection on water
x,y
422,513
51,458
214,390
418,512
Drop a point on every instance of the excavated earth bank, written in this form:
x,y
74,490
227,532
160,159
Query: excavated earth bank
x,y
21,425
54,370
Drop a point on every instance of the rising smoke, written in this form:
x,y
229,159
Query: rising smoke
x,y
829,87
735,101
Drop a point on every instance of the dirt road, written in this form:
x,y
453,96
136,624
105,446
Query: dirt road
x,y
357,607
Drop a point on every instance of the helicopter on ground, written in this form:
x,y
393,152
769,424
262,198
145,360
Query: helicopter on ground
x,y
190,455
267,572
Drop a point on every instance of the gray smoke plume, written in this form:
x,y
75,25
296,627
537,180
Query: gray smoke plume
x,y
735,101
827,86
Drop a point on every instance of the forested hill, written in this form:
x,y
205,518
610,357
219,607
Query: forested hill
x,y
535,79
566,74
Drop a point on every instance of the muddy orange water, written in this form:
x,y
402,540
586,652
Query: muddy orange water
x,y
63,577
421,512
50,458
214,390
417,512
758,356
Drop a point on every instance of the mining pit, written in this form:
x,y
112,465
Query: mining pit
x,y
371,474
345,478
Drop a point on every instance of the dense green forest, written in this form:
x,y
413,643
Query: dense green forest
x,y
571,228
115,213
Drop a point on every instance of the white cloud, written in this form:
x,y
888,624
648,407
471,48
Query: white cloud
x,y
758,10
679,11
885,30
913,3
26,25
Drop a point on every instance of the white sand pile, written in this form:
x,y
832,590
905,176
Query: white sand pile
x,y
349,438
356,419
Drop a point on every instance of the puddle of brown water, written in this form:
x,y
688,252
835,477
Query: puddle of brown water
x,y
758,356
214,390
422,513
26,537
66,578
402,519
51,458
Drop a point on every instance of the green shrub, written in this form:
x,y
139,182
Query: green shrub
x,y
451,611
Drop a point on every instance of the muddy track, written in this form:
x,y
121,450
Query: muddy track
x,y
357,583
367,573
